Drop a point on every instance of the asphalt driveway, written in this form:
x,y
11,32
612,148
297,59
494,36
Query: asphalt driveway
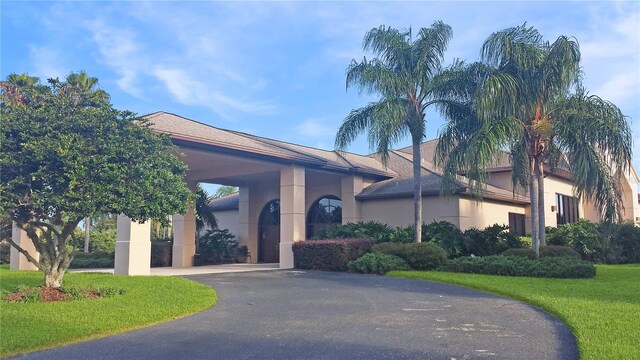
x,y
318,315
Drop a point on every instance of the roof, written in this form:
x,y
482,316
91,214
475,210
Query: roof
x,y
227,202
431,181
183,130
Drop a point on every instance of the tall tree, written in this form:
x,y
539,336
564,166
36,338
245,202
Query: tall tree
x,y
82,82
526,97
204,214
405,75
66,154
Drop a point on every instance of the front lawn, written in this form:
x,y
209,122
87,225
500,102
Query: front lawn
x,y
603,312
148,300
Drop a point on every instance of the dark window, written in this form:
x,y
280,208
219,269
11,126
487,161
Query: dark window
x,y
516,224
324,213
567,209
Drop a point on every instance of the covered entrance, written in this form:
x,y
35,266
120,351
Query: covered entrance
x,y
269,233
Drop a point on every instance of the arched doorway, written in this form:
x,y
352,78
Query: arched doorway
x,y
269,233
324,213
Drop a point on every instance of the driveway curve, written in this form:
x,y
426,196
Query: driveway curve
x,y
319,315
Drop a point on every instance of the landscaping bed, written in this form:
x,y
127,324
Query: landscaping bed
x,y
146,300
602,312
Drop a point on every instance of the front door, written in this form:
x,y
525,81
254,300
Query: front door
x,y
269,233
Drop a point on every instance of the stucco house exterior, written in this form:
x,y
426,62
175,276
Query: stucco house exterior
x,y
287,192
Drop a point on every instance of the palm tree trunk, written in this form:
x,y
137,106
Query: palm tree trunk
x,y
535,211
417,191
87,233
541,211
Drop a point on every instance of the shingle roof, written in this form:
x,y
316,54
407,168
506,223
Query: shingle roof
x,y
180,128
227,202
431,181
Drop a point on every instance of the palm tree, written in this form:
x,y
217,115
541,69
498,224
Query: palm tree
x,y
15,88
405,75
204,213
526,97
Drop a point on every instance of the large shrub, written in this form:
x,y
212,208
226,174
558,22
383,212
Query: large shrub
x,y
104,240
550,267
329,254
360,230
610,243
99,259
377,263
419,256
492,240
520,252
217,247
556,250
447,236
621,242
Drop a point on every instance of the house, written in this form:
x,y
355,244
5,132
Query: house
x,y
288,192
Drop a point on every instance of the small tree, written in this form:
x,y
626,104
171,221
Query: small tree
x,y
67,154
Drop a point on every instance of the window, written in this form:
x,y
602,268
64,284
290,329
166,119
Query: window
x,y
516,224
324,213
567,211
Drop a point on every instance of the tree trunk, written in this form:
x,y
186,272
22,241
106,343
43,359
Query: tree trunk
x,y
87,233
53,278
535,211
541,206
417,191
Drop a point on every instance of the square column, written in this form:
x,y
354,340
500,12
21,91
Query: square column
x,y
292,212
133,247
351,209
184,239
248,221
17,261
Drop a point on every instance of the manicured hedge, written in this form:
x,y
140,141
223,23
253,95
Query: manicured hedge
x,y
377,263
419,256
329,254
98,259
549,267
545,251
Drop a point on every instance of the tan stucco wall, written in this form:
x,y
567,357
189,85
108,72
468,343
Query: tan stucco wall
x,y
480,214
399,212
228,219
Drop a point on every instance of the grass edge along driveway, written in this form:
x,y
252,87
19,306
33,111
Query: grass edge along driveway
x,y
603,312
148,300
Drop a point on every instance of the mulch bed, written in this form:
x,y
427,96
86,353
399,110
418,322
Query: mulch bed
x,y
51,294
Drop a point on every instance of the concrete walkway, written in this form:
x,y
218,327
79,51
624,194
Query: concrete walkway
x,y
317,315
198,270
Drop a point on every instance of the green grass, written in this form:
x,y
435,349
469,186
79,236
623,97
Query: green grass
x,y
603,312
148,300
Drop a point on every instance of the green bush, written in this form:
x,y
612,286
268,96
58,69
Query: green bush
x,y
550,267
419,256
611,243
525,241
5,251
217,247
329,254
556,250
104,240
447,236
520,252
161,253
92,260
493,240
621,242
360,230
377,263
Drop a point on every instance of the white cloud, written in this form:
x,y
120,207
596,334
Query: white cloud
x,y
315,128
46,62
119,50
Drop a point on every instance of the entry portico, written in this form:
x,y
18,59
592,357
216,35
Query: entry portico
x,y
266,172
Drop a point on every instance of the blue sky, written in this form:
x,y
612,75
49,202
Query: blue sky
x,y
277,69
